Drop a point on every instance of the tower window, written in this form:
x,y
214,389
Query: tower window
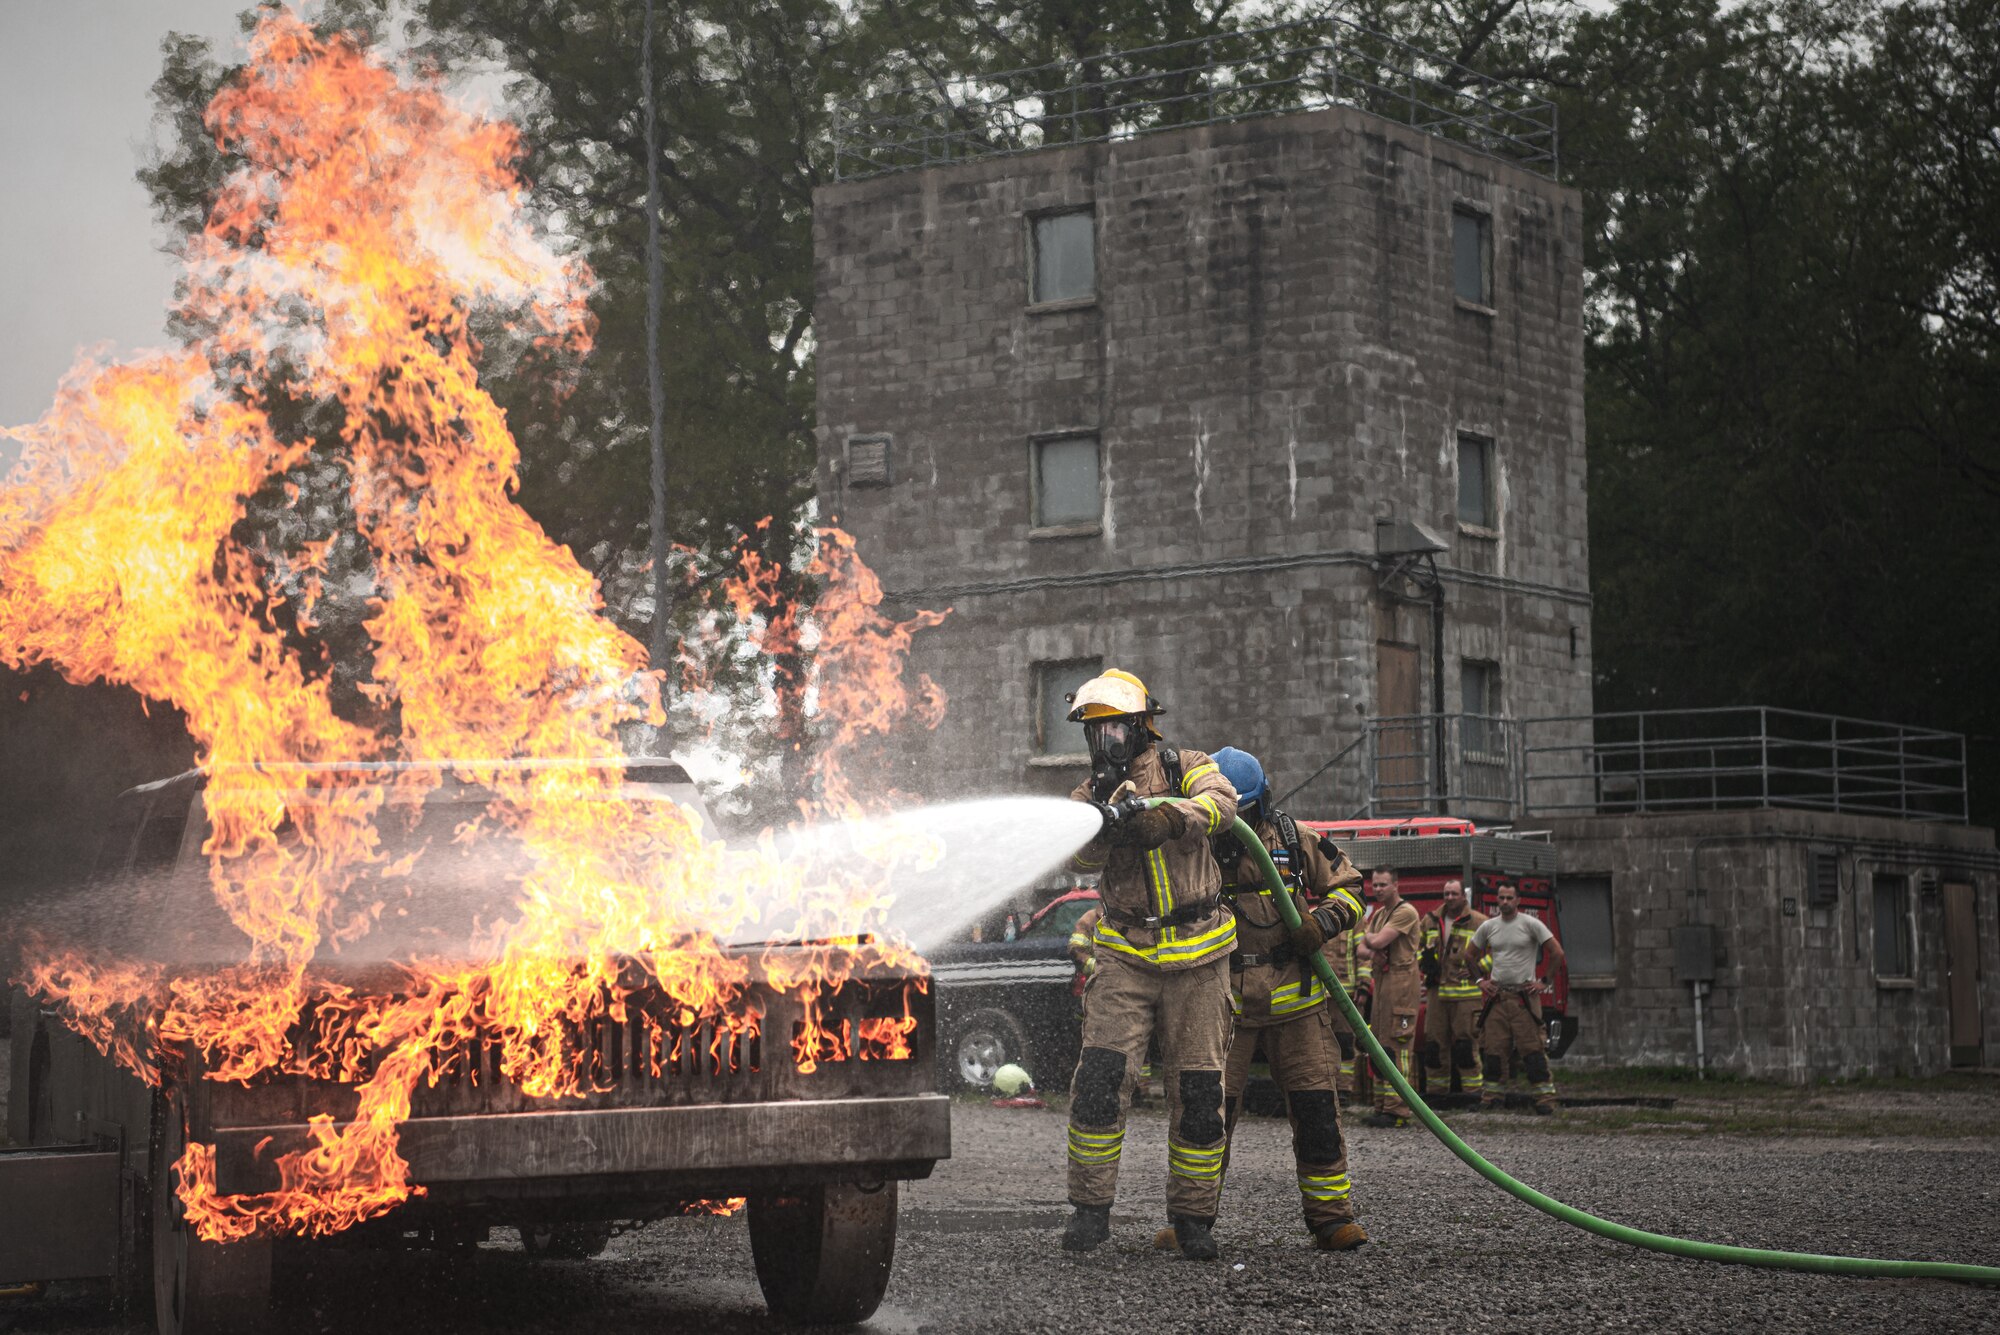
x,y
1064,260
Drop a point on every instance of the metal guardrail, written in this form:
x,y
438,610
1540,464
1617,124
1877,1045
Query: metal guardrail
x,y
1300,66
1323,787
1499,769
1447,764
1753,756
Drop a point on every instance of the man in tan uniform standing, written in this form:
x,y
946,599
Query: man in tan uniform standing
x,y
1392,936
1276,995
1503,953
1162,950
1451,1020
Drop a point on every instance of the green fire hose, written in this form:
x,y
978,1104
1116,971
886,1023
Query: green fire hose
x,y
1604,1228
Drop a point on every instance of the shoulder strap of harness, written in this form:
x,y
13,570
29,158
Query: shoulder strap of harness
x,y
1288,834
1172,760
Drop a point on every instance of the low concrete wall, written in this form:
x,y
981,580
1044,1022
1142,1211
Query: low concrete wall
x,y
1795,994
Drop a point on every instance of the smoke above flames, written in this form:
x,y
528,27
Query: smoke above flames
x,y
334,380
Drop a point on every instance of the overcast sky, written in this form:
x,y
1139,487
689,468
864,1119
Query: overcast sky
x,y
80,262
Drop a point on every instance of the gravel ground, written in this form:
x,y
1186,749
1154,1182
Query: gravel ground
x,y
977,1251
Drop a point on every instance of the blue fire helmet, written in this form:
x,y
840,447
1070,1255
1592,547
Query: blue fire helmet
x,y
1245,775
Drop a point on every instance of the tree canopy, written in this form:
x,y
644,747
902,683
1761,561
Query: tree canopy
x,y
1793,333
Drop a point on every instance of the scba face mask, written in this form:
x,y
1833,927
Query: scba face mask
x,y
1114,744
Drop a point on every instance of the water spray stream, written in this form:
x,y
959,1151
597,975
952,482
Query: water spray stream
x,y
946,866
1659,1242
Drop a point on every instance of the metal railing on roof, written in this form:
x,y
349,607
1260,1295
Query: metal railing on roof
x,y
1752,756
1299,66
1464,765
1499,769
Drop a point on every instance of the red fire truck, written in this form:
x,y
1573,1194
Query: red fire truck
x,y
1426,851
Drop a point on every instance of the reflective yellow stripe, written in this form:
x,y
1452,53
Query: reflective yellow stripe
x,y
1325,1186
1161,883
1214,809
1191,951
1459,992
1344,896
1291,999
1199,1165
1095,1147
1083,863
1198,772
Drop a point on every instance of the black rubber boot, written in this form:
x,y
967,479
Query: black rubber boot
x,y
1088,1227
1194,1239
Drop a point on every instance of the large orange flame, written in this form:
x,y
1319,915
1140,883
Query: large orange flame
x,y
337,281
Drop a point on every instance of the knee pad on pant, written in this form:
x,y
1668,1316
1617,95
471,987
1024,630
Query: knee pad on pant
x,y
1433,1055
1099,1078
1536,1064
1489,1065
1317,1139
1346,1041
1461,1053
1201,1107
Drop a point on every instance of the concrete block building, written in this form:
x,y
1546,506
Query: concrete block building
x,y
1783,944
1195,403
1285,414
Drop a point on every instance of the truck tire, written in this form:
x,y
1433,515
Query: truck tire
x,y
198,1287
565,1242
984,1043
823,1252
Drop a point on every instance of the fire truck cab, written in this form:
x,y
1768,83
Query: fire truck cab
x,y
1426,851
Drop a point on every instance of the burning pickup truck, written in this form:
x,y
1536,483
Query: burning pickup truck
x,y
794,1074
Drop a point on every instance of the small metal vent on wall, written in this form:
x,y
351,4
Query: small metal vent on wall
x,y
868,461
1823,883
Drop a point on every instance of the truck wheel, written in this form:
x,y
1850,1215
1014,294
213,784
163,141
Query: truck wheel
x,y
823,1253
565,1242
987,1041
198,1287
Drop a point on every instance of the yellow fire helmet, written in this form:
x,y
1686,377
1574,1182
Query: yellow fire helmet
x,y
1115,693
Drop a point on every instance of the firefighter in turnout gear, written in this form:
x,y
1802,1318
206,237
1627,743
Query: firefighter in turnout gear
x,y
1276,997
1451,1020
1162,950
1393,936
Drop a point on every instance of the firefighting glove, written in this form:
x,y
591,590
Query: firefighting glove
x,y
1150,828
1427,965
1308,936
1118,815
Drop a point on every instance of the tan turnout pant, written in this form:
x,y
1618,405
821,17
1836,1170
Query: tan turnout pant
x,y
1451,1043
1393,1017
1189,1010
1304,1057
1515,1022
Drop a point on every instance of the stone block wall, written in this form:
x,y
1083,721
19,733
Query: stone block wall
x,y
1795,996
1274,360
